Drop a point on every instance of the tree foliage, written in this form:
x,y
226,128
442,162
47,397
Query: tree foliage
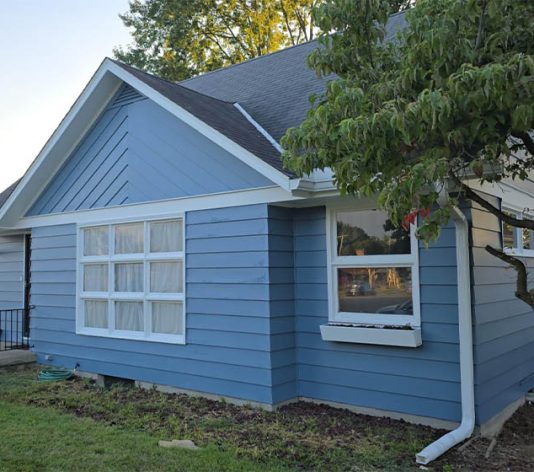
x,y
449,102
177,39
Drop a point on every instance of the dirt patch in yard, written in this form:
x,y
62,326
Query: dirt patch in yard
x,y
300,436
513,451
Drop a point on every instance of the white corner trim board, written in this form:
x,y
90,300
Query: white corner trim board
x,y
410,337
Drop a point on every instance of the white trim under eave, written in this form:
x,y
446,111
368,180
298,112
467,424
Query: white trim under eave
x,y
212,134
162,208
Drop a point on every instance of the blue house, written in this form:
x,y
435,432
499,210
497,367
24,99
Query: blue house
x,y
165,243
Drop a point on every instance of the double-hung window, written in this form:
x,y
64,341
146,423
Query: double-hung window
x,y
373,270
131,280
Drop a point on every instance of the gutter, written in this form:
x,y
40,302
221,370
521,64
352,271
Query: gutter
x,y
467,425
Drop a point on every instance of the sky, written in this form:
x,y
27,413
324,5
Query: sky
x,y
49,49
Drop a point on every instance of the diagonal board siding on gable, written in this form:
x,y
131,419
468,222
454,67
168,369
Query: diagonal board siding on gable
x,y
504,325
422,381
138,152
227,282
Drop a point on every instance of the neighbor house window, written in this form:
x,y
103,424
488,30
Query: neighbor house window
x,y
373,270
131,280
517,240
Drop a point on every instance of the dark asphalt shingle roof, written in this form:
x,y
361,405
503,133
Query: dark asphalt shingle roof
x,y
274,89
7,192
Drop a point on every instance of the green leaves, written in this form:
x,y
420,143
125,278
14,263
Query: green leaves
x,y
443,100
176,39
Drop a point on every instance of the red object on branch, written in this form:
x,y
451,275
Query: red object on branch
x,y
411,217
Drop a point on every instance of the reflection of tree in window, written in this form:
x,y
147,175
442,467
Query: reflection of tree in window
x,y
354,240
526,238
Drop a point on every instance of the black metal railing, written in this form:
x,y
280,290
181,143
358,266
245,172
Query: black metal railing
x,y
14,324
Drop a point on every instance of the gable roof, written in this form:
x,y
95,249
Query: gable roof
x,y
274,89
219,114
271,93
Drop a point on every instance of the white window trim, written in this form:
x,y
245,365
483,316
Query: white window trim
x,y
518,249
112,296
372,320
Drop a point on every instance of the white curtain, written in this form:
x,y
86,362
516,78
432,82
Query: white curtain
x,y
96,314
166,277
96,241
129,316
129,277
166,236
167,317
129,238
95,277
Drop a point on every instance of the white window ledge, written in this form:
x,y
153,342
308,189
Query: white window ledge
x,y
404,337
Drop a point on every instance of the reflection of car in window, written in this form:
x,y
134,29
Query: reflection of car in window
x,y
404,308
356,288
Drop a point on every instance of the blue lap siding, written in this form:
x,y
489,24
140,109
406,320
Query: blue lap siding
x,y
256,296
229,347
11,286
504,325
422,381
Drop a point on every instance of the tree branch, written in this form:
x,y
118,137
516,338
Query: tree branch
x,y
511,220
522,292
527,141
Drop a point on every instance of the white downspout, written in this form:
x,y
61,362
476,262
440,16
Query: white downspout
x,y
467,425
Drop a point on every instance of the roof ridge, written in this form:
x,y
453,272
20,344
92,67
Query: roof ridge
x,y
174,84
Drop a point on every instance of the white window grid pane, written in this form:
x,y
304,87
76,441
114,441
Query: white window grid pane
x,y
159,243
127,241
145,297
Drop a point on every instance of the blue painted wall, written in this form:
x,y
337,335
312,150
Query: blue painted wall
x,y
229,349
138,152
504,325
256,296
11,285
422,381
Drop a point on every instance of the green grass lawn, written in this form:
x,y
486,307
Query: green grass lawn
x,y
38,439
76,425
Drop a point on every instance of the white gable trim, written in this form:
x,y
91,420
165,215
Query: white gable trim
x,y
81,117
217,137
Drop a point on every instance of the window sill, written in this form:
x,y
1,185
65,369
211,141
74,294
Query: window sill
x,y
168,339
372,335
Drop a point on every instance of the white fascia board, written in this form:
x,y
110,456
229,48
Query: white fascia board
x,y
76,123
162,208
212,134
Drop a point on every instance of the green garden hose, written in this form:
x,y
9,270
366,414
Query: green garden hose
x,y
51,374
